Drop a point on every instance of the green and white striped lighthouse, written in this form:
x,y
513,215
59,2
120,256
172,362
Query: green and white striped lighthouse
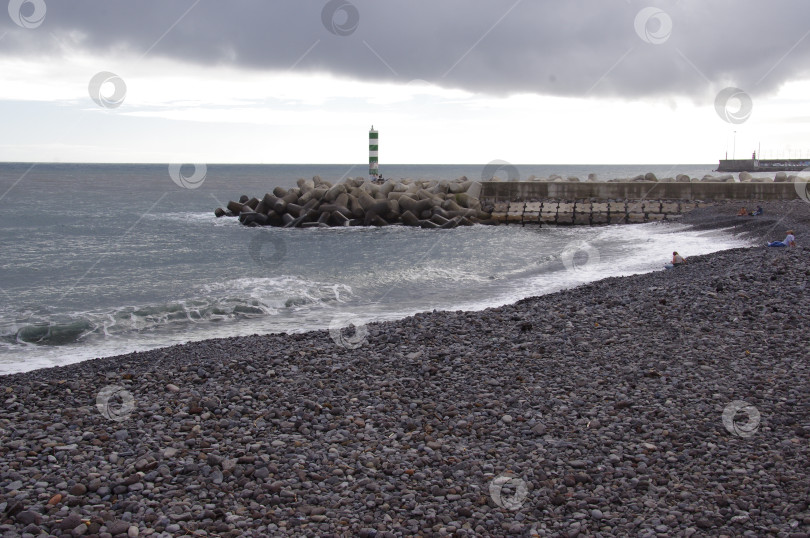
x,y
373,155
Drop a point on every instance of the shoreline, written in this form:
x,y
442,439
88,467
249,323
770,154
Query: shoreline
x,y
70,355
593,409
711,217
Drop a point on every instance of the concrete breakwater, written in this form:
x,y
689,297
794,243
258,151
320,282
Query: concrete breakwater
x,y
355,202
447,204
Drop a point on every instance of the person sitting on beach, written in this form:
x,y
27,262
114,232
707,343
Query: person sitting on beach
x,y
758,211
677,259
742,212
788,241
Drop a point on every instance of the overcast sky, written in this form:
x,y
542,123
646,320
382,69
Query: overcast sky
x,y
453,81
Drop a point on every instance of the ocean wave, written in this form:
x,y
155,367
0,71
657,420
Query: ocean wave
x,y
431,273
49,333
239,299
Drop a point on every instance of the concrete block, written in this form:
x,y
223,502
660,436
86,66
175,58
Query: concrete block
x,y
599,218
656,216
534,207
515,214
565,207
475,189
599,208
565,218
531,217
618,218
514,217
670,208
582,218
501,207
635,217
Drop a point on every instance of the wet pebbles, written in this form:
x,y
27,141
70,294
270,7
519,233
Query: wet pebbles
x,y
609,410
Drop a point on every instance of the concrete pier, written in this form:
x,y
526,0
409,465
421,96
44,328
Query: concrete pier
x,y
593,203
497,191
585,212
762,165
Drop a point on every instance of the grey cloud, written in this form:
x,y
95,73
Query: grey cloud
x,y
557,47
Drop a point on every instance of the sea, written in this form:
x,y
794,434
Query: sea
x,y
106,259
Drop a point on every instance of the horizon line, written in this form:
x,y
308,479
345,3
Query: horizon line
x,y
362,164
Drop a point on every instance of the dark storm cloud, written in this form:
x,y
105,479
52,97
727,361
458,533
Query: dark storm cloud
x,y
560,47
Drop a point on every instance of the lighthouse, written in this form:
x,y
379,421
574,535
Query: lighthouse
x,y
373,156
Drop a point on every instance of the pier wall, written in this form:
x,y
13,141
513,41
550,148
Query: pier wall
x,y
763,165
496,191
613,203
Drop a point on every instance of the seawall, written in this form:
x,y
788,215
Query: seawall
x,y
523,202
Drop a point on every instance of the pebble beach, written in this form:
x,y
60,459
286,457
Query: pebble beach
x,y
674,403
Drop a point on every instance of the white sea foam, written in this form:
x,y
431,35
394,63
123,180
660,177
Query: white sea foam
x,y
193,218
